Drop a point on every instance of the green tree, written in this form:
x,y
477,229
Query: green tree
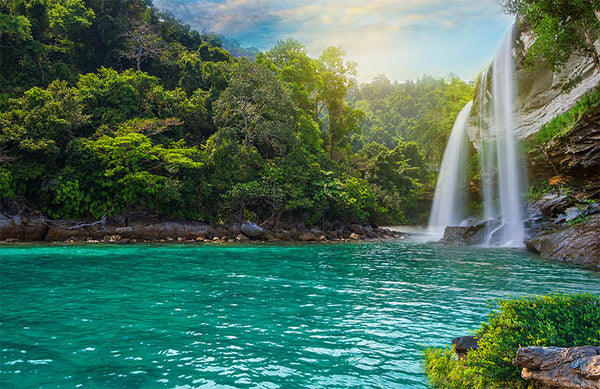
x,y
337,76
257,109
560,28
143,175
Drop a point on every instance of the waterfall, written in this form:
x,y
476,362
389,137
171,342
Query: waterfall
x,y
449,199
509,172
487,151
501,175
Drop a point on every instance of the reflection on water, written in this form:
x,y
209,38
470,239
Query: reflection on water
x,y
250,316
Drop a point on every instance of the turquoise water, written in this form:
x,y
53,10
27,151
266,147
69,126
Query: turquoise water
x,y
264,316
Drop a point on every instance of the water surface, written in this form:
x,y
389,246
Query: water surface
x,y
262,316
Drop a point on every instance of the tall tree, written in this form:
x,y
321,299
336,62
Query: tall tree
x,y
143,42
257,108
561,29
337,77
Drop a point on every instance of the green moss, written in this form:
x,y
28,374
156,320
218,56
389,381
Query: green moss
x,y
551,320
562,124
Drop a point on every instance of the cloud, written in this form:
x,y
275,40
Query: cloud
x,y
423,31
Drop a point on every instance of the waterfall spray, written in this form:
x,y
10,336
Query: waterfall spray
x,y
449,199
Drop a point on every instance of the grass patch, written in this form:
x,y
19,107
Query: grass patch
x,y
551,320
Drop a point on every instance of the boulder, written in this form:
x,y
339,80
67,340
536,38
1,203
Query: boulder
x,y
301,228
151,230
465,235
338,226
252,230
559,367
578,243
26,228
307,236
357,229
463,344
241,238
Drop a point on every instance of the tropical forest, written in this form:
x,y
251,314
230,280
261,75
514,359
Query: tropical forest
x,y
282,194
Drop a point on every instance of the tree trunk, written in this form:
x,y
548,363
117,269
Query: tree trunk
x,y
139,57
38,62
591,47
331,144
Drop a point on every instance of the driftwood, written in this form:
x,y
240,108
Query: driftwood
x,y
61,224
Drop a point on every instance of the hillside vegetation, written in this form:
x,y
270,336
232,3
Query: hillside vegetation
x,y
109,107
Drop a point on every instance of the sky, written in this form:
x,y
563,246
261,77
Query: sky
x,y
403,39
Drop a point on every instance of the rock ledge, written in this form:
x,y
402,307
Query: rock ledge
x,y
558,367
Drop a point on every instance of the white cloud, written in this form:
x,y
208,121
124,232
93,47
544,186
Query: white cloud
x,y
396,37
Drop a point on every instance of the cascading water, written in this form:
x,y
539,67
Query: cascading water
x,y
509,173
449,199
487,151
500,172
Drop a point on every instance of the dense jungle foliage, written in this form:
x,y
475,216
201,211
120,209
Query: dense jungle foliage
x,y
551,320
109,107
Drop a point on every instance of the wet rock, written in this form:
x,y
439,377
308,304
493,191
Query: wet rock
x,y
553,204
354,236
252,230
575,156
578,243
592,209
558,367
465,235
572,213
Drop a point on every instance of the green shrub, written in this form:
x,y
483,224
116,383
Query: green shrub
x,y
551,320
562,124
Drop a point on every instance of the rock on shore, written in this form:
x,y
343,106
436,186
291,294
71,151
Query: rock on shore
x,y
558,367
579,243
35,227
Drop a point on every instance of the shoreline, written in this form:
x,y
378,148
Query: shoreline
x,y
149,229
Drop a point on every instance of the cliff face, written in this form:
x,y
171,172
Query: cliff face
x,y
540,92
574,157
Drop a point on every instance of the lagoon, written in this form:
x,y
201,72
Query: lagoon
x,y
242,316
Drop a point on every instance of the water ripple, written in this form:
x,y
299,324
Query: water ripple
x,y
267,316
